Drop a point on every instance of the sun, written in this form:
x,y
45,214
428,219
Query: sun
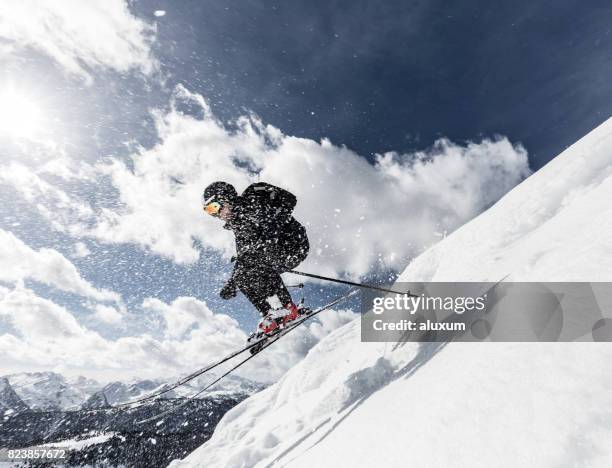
x,y
20,116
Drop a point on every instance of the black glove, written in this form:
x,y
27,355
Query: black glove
x,y
228,291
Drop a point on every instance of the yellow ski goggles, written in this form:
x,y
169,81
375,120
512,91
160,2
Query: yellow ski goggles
x,y
213,208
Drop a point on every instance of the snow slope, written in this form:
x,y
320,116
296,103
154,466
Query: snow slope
x,y
464,404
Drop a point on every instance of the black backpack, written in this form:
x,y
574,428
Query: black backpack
x,y
268,201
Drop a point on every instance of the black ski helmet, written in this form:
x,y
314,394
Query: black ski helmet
x,y
220,192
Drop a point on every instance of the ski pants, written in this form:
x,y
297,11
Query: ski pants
x,y
257,273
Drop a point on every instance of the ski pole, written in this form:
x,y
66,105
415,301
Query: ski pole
x,y
350,283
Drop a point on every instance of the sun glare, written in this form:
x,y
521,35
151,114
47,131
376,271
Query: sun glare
x,y
20,116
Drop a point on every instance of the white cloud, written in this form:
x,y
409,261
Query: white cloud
x,y
68,169
159,13
38,318
62,211
48,336
108,314
81,250
20,262
48,333
358,214
186,313
79,36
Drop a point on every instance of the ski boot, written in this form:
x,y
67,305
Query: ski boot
x,y
274,321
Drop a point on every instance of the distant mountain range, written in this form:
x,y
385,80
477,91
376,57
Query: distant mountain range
x,y
48,391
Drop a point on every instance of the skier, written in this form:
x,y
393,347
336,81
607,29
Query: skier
x,y
269,241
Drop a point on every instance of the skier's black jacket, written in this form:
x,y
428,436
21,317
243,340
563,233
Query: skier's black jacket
x,y
264,227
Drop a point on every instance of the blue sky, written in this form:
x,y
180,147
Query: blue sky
x,y
394,124
398,75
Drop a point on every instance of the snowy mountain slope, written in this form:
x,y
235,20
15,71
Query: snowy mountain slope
x,y
9,400
552,227
465,404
